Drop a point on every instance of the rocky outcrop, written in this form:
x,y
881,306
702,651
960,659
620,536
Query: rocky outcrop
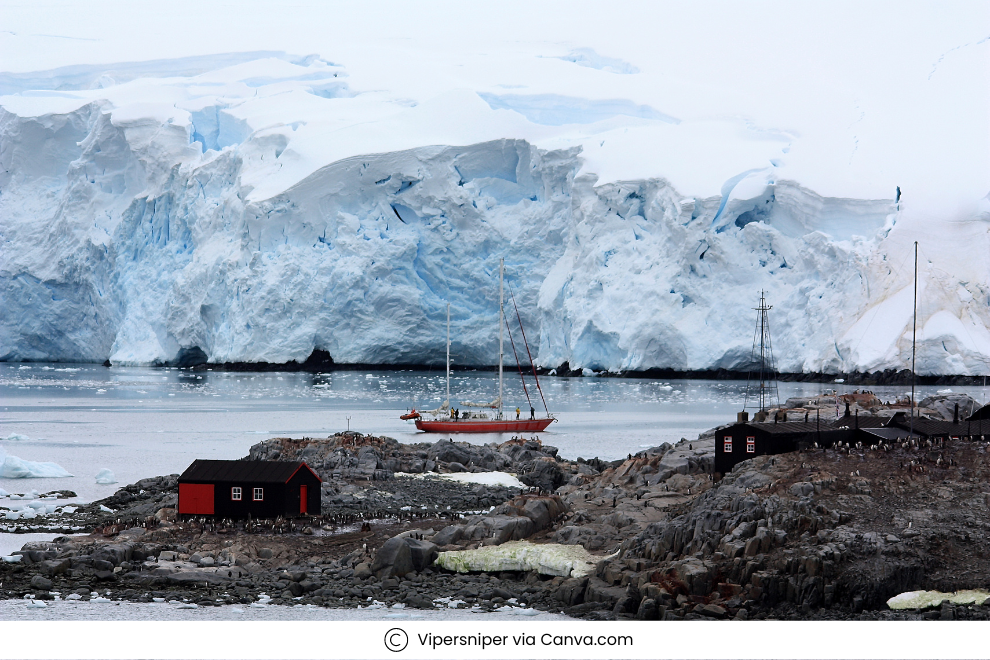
x,y
403,554
519,518
810,534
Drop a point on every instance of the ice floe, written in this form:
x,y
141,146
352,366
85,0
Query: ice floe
x,y
13,467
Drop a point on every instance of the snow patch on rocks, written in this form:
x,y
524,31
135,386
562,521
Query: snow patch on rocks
x,y
547,559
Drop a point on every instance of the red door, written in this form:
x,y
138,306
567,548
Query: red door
x,y
303,496
196,499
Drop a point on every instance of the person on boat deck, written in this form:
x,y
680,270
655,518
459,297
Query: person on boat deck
x,y
532,412
517,412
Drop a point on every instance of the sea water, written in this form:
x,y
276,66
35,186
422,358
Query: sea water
x,y
142,422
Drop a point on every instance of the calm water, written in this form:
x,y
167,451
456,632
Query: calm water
x,y
140,422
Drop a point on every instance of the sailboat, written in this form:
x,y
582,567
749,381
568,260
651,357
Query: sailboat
x,y
444,420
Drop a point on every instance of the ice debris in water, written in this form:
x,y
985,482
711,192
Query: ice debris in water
x,y
105,476
16,437
12,467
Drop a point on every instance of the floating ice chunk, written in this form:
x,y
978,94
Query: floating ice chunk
x,y
3,493
105,476
100,599
36,604
158,600
12,467
518,611
260,604
16,437
188,606
106,509
74,597
237,610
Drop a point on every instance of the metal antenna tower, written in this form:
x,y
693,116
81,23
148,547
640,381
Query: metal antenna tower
x,y
767,396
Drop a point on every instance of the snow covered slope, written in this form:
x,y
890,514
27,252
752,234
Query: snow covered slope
x,y
257,205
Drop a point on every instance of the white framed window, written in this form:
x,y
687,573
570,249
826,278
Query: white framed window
x,y
235,493
750,444
727,447
259,494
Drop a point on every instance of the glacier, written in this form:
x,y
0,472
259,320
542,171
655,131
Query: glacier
x,y
257,206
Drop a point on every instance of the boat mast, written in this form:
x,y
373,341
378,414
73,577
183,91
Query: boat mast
x,y
914,332
501,324
448,358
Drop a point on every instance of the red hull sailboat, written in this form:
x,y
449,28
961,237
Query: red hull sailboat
x,y
484,425
447,420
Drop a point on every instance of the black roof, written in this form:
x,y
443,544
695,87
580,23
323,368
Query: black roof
x,y
935,427
982,413
890,433
276,472
788,427
861,421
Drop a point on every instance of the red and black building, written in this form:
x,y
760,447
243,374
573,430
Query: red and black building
x,y
237,489
745,440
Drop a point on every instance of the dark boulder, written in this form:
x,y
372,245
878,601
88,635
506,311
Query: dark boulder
x,y
401,555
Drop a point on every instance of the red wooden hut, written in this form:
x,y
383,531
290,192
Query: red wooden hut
x,y
235,489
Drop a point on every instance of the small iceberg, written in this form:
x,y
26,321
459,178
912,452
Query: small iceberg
x,y
12,467
106,476
15,437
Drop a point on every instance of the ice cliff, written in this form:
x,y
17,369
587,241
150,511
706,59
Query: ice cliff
x,y
145,220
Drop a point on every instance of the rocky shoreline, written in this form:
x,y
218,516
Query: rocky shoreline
x,y
811,535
